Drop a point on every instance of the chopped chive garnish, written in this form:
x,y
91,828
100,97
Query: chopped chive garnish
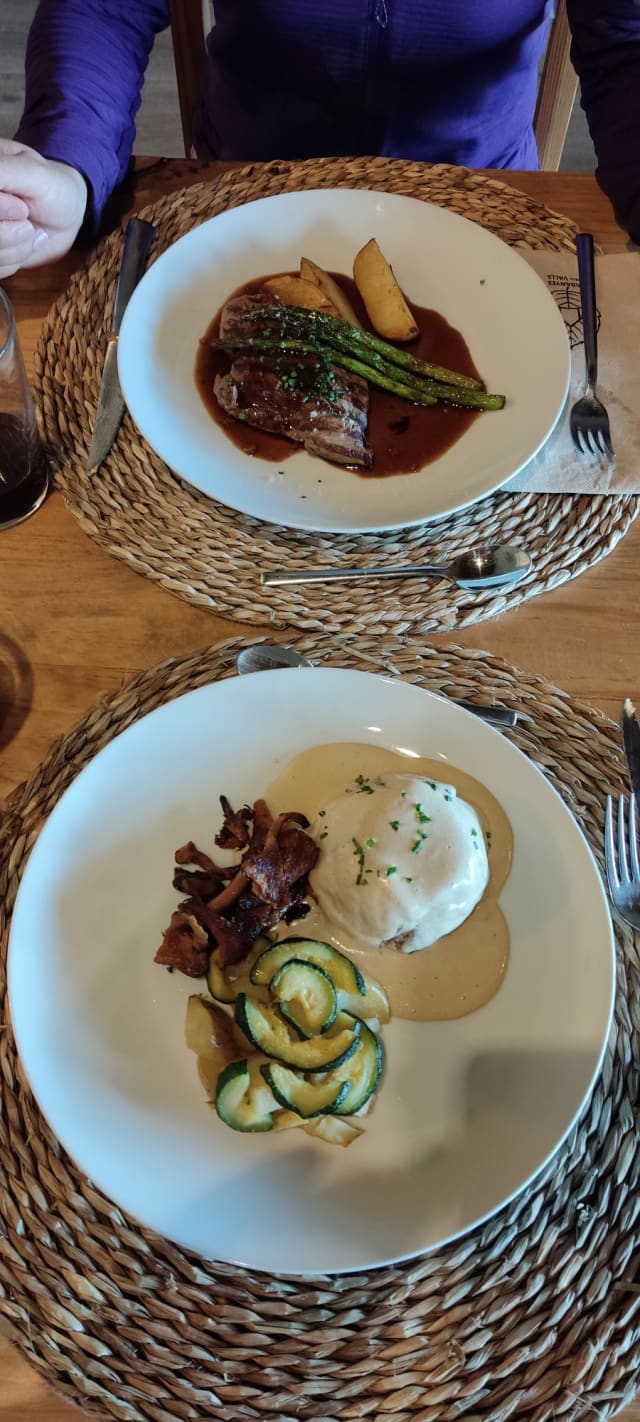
x,y
359,852
395,824
391,870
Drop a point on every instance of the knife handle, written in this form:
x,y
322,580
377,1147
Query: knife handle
x,y
140,236
587,278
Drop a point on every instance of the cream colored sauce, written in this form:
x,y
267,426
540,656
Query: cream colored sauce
x,y
462,971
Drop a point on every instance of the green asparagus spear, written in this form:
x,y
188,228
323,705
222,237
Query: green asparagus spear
x,y
360,343
402,383
384,380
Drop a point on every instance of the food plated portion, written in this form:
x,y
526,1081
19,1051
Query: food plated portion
x,y
470,1105
480,295
300,364
417,846
393,864
289,1035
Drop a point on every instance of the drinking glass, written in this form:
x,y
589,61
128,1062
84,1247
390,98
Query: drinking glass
x,y
23,462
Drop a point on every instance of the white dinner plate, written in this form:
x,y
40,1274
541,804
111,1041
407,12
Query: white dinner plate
x,y
510,322
468,1111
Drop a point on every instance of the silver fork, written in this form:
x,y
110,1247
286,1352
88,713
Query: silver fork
x,y
622,858
589,421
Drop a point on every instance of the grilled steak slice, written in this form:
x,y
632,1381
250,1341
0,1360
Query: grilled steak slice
x,y
305,398
234,317
281,395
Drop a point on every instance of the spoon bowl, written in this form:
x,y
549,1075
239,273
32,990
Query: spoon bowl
x,y
263,657
490,567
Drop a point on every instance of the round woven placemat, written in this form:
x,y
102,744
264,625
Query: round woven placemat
x,y
211,555
534,1316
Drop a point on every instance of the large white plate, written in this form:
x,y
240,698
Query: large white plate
x,y
469,1110
510,321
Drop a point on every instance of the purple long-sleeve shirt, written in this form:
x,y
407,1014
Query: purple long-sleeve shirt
x,y
438,80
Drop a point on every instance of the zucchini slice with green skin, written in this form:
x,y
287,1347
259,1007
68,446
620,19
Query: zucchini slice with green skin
x,y
223,985
363,1072
343,973
239,1101
222,988
307,1098
374,1003
306,997
270,1035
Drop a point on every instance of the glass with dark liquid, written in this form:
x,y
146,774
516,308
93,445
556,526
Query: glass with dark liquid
x,y
23,462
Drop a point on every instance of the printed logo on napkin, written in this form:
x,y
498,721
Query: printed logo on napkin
x,y
559,468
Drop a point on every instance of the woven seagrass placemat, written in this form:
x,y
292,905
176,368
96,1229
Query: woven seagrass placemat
x,y
211,555
534,1316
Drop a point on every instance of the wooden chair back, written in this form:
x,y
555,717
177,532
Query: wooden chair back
x,y
190,23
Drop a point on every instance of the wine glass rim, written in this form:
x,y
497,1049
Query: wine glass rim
x,y
11,321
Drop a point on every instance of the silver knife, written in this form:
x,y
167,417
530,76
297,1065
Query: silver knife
x,y
631,740
138,239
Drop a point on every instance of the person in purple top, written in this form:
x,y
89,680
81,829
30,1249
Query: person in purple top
x,y
438,80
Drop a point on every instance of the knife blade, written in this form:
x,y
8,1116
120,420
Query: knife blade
x,y
139,237
631,741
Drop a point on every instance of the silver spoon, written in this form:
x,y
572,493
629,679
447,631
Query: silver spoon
x,y
479,567
263,657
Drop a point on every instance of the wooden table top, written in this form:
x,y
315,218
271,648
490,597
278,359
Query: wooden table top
x,y
77,623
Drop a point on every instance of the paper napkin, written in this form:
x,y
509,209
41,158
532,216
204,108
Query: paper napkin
x,y
559,468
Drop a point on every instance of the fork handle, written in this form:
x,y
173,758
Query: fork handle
x,y
587,276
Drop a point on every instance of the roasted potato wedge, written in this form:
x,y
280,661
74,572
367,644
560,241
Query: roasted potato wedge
x,y
309,271
386,307
293,291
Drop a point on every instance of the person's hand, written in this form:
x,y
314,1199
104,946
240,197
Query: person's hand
x,y
42,206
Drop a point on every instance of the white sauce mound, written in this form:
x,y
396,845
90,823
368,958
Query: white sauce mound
x,y
403,861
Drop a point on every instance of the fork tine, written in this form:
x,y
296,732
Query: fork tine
x,y
602,440
623,863
610,846
608,444
599,442
633,837
577,439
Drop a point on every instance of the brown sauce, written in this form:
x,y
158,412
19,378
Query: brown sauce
x,y
463,970
402,436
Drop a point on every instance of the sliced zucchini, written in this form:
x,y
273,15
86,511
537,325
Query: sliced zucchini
x,y
306,997
307,1098
220,986
363,1072
269,1034
333,1129
343,973
225,983
243,1099
374,1003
